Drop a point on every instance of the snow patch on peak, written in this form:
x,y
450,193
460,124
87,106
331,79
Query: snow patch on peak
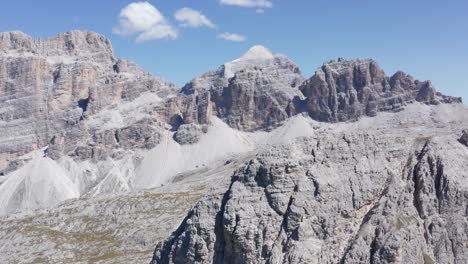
x,y
256,55
258,52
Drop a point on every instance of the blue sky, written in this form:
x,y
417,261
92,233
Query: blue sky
x,y
428,39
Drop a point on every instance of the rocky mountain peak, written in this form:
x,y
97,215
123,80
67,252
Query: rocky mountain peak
x,y
14,40
52,88
257,56
77,41
72,43
342,65
258,76
347,89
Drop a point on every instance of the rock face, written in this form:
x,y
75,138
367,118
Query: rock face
x,y
189,133
49,89
71,99
351,193
345,90
260,90
253,92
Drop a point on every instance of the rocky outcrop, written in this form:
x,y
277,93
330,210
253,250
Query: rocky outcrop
x,y
189,133
345,90
361,199
197,108
253,92
188,109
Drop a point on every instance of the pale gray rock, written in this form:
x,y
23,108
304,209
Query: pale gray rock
x,y
386,189
253,92
105,229
50,88
353,193
12,166
196,108
346,90
103,144
138,135
188,109
189,133
119,228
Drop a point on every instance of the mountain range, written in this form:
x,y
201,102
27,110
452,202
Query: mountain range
x,y
102,162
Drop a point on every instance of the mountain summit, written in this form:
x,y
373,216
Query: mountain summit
x,y
348,89
258,76
257,52
256,56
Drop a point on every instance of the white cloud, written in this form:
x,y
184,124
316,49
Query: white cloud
x,y
144,19
260,11
189,17
232,37
248,3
